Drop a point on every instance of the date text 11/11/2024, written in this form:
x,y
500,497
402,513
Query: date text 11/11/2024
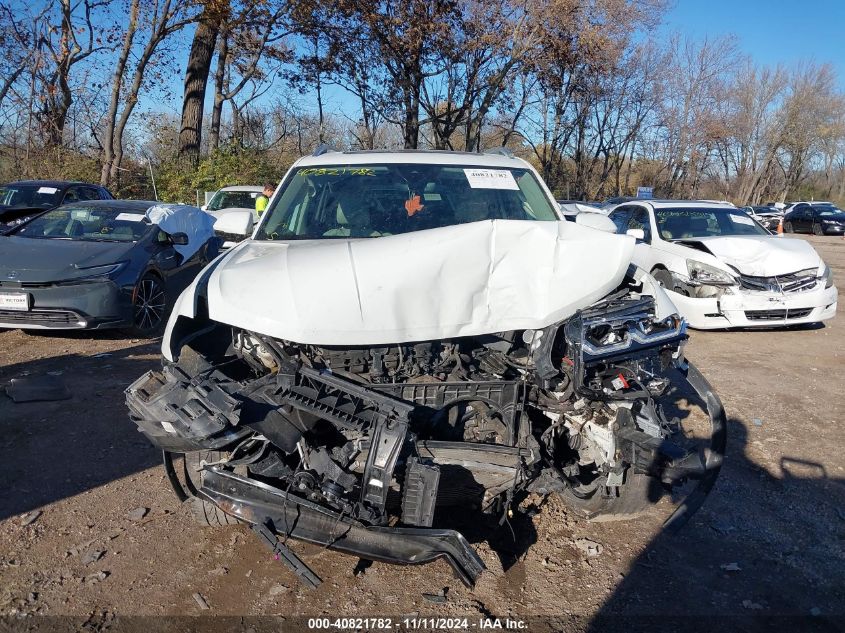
x,y
417,623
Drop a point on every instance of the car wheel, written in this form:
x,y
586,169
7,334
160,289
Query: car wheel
x,y
149,307
817,229
204,512
664,278
596,503
787,227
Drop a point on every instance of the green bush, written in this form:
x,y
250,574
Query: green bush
x,y
179,182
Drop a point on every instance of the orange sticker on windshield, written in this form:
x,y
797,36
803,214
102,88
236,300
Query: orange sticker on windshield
x,y
413,205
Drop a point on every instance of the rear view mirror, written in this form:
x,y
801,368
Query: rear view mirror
x,y
234,223
179,239
638,234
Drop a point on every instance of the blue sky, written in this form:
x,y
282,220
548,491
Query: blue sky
x,y
771,31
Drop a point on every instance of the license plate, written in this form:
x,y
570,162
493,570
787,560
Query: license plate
x,y
17,301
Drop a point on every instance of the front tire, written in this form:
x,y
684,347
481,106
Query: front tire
x,y
817,229
205,513
635,496
664,278
149,307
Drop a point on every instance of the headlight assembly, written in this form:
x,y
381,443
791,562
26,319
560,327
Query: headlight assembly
x,y
827,275
702,273
95,273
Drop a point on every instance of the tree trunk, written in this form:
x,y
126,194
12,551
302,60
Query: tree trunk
x,y
109,166
196,81
411,124
219,86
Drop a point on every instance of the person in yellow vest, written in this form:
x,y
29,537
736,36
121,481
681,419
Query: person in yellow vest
x,y
263,199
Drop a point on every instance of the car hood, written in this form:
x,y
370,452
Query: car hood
x,y
43,260
462,280
836,217
221,212
758,255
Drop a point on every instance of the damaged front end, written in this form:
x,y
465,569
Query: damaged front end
x,y
368,449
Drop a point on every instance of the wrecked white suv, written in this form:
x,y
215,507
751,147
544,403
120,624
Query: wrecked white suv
x,y
722,269
407,333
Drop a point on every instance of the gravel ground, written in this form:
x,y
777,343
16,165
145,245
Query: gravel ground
x,y
90,528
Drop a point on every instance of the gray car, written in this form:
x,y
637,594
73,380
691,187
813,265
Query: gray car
x,y
95,265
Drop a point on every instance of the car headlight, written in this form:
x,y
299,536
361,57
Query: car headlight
x,y
706,274
827,275
95,273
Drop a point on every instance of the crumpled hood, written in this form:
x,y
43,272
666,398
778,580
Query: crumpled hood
x,y
761,255
463,280
44,260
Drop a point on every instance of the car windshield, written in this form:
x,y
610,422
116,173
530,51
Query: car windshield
x,y
823,210
232,200
691,223
343,201
37,196
86,224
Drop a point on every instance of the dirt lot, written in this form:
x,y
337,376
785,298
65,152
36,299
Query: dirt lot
x,y
770,541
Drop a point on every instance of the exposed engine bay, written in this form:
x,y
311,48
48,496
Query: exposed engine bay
x,y
366,449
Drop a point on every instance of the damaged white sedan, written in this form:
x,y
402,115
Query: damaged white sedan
x,y
409,345
723,270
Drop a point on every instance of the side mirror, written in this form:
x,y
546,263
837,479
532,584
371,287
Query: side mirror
x,y
204,207
234,223
598,221
179,239
638,234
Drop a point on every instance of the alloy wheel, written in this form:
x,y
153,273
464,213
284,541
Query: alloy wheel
x,y
149,305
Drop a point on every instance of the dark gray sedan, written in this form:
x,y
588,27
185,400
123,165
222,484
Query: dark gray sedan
x,y
96,264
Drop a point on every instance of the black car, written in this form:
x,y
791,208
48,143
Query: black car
x,y
819,219
26,198
98,264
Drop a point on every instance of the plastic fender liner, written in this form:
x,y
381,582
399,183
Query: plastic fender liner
x,y
715,454
254,502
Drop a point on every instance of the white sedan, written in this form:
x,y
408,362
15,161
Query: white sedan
x,y
722,269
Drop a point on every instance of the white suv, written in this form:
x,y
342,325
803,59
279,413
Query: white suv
x,y
410,333
234,199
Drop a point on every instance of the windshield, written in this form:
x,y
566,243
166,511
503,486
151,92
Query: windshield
x,y
95,224
233,200
388,199
691,223
30,196
827,210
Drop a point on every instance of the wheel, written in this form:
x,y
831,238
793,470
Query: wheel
x,y
593,501
205,512
817,229
787,227
149,307
664,278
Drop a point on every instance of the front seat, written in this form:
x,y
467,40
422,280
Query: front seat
x,y
353,220
75,229
674,228
697,227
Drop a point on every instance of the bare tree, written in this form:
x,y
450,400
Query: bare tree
x,y
67,45
162,18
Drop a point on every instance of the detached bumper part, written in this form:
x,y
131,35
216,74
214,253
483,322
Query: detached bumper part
x,y
714,455
255,502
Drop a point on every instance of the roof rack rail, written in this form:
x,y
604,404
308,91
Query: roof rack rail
x,y
323,148
500,151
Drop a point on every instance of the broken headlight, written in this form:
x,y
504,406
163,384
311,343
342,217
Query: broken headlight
x,y
827,276
705,274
